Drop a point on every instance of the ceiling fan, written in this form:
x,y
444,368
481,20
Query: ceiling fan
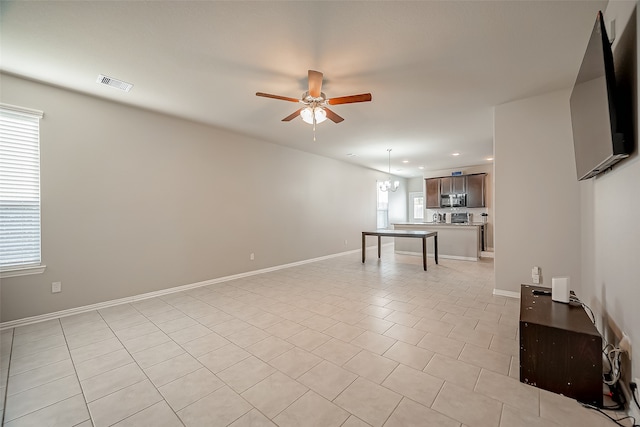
x,y
315,102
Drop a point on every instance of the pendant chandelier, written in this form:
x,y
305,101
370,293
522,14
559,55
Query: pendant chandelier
x,y
388,185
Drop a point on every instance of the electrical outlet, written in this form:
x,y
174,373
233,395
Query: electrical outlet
x,y
252,256
536,272
625,344
611,29
56,287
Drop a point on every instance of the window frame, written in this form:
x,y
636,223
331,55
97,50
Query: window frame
x,y
412,196
382,208
36,267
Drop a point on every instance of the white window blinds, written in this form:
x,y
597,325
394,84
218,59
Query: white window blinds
x,y
382,213
19,187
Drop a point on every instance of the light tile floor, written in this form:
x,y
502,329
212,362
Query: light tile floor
x,y
332,343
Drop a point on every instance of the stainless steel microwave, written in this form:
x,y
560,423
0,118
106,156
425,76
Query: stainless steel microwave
x,y
453,201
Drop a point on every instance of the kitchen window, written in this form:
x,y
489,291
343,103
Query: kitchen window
x,y
20,251
382,216
416,207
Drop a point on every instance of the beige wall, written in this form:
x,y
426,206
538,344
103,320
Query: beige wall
x,y
610,203
586,230
398,202
537,204
134,202
415,184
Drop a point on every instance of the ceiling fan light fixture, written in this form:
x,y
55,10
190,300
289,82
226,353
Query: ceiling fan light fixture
x,y
320,114
315,103
308,114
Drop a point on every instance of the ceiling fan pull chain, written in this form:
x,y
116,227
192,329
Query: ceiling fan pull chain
x,y
314,125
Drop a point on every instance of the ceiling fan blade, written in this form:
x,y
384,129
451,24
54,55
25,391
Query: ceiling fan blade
x,y
333,116
365,97
315,83
292,116
284,98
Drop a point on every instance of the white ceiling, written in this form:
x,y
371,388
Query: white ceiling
x,y
435,69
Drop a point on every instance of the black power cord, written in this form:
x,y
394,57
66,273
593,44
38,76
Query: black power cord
x,y
615,394
633,386
617,421
612,355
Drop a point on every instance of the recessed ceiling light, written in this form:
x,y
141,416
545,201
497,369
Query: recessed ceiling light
x,y
489,158
420,167
405,161
455,154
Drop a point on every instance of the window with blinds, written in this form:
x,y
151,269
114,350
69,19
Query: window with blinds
x,y
382,212
19,187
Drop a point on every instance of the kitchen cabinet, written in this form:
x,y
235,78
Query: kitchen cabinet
x,y
453,185
475,191
459,185
433,193
473,186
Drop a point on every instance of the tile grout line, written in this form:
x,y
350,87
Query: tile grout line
x,y
75,371
185,352
49,382
6,384
45,383
286,407
306,292
203,366
50,405
139,367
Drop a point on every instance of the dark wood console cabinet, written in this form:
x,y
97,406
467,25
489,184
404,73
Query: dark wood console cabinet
x,y
560,348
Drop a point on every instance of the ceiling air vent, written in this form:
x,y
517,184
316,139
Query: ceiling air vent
x,y
118,84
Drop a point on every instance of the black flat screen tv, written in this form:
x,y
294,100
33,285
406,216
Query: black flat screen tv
x,y
598,140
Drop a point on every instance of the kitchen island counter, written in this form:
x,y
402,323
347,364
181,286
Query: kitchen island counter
x,y
456,241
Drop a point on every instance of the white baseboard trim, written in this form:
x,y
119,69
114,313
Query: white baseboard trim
x,y
508,294
86,308
459,258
